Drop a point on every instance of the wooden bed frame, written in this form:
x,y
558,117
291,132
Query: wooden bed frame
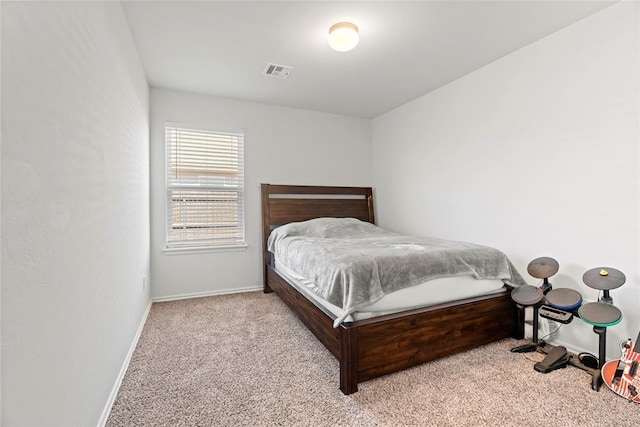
x,y
382,345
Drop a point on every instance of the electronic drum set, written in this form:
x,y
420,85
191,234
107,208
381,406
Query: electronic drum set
x,y
562,305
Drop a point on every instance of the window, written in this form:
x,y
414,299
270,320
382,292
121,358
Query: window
x,y
205,188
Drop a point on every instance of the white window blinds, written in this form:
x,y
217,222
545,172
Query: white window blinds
x,y
205,188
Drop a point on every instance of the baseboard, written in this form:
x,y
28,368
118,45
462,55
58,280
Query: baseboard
x,y
123,369
205,294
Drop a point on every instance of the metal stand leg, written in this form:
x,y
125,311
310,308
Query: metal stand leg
x,y
526,348
596,381
521,323
535,323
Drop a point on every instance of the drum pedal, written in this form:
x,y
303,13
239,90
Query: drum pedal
x,y
526,348
555,314
555,359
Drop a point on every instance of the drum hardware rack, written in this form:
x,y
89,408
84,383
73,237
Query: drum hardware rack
x,y
561,305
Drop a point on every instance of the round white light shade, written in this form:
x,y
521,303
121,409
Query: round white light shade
x,y
343,36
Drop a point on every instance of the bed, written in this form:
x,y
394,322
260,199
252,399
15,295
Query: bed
x,y
372,347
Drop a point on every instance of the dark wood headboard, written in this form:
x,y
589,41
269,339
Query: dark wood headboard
x,y
282,204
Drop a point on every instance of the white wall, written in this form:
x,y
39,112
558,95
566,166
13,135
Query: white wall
x,y
75,208
535,154
282,146
0,221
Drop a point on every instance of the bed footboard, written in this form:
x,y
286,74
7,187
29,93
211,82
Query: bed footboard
x,y
392,343
383,345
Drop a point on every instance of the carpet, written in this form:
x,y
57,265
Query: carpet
x,y
246,360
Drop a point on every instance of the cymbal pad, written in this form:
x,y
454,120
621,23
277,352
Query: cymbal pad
x,y
604,278
543,267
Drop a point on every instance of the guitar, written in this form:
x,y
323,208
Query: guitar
x,y
622,376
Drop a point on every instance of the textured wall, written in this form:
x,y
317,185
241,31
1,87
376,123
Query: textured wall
x,y
75,208
282,146
535,154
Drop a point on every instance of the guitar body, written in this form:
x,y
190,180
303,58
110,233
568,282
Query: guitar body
x,y
622,376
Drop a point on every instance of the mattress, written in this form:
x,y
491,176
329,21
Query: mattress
x,y
431,292
353,263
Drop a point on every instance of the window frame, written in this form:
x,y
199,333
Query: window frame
x,y
187,248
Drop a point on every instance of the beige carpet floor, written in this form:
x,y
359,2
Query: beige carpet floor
x,y
245,360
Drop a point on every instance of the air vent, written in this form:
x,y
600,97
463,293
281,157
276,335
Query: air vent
x,y
277,70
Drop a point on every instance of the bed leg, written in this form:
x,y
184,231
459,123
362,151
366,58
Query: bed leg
x,y
348,360
265,281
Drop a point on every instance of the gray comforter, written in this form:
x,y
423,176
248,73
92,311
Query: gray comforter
x,y
353,263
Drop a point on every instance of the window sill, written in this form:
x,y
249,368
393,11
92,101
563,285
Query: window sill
x,y
204,249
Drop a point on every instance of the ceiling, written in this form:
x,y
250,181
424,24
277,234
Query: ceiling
x,y
406,48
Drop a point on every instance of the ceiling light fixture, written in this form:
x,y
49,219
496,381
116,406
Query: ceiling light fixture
x,y
343,36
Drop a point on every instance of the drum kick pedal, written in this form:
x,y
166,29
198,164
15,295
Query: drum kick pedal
x,y
556,358
526,348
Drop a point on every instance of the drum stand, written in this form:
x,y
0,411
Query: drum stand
x,y
554,354
600,314
527,296
531,296
603,313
